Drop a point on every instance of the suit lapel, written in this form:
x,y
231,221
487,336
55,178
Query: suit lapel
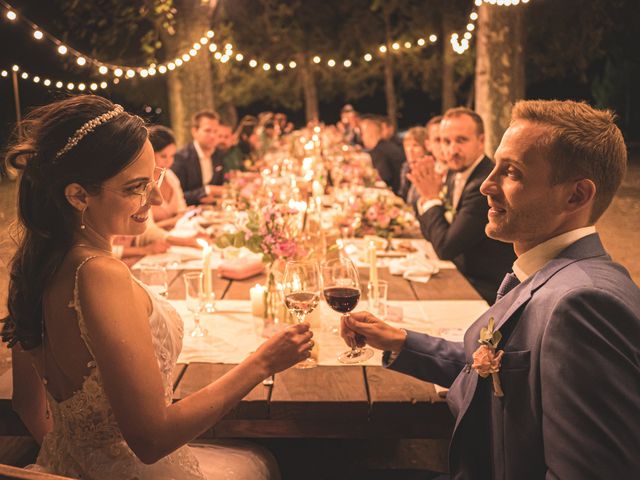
x,y
476,178
197,169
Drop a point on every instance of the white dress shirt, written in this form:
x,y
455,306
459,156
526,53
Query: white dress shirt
x,y
206,165
533,260
459,181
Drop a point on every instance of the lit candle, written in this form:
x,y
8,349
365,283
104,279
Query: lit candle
x,y
206,266
257,300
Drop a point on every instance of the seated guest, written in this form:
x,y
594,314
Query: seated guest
x,y
224,143
389,131
348,125
432,143
244,152
173,202
413,145
553,390
453,217
194,164
387,157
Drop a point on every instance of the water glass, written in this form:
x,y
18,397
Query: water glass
x,y
377,298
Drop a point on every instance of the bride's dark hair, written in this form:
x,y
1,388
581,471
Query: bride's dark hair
x,y
46,221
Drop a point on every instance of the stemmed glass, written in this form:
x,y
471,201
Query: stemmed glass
x,y
301,292
194,295
341,288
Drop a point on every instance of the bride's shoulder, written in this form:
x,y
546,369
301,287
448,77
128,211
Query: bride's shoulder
x,y
100,272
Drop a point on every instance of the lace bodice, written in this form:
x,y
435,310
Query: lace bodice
x,y
86,441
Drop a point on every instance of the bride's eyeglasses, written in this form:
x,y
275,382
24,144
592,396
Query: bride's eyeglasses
x,y
142,189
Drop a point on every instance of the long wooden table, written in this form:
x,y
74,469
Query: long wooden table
x,y
361,403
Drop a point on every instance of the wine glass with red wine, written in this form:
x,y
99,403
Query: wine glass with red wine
x,y
341,288
301,292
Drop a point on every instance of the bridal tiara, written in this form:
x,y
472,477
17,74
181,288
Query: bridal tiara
x,y
87,128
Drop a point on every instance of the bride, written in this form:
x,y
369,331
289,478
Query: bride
x,y
93,349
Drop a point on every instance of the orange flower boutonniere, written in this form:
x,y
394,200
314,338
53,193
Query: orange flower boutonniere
x,y
486,359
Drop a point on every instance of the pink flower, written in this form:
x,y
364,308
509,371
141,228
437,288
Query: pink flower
x,y
285,248
384,220
485,361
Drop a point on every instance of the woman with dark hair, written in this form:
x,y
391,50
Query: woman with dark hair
x,y
94,349
173,202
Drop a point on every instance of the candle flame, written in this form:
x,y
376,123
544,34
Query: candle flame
x,y
202,242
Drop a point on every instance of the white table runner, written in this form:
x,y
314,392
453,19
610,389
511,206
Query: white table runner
x,y
234,333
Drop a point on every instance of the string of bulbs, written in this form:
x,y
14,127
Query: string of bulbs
x,y
459,42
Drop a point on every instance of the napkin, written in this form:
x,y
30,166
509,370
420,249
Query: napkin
x,y
415,267
240,268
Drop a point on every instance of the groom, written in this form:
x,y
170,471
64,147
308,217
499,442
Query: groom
x,y
568,360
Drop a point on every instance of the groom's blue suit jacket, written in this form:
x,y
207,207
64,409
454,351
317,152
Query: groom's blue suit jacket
x,y
570,375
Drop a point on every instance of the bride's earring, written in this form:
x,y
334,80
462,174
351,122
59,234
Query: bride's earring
x,y
82,225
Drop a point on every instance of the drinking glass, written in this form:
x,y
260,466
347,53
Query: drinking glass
x,y
341,288
301,292
194,293
154,277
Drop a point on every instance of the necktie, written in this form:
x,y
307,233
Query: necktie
x,y
509,282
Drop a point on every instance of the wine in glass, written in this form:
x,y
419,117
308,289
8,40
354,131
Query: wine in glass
x,y
341,288
194,295
301,292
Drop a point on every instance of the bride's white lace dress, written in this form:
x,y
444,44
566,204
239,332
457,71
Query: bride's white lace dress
x,y
86,441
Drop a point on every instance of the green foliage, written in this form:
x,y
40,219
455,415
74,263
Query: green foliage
x,y
488,337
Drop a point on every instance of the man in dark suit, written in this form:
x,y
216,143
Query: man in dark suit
x,y
387,157
198,169
453,217
554,390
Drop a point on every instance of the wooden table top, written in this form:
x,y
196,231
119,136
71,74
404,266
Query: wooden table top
x,y
333,401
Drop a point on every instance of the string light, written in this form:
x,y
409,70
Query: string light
x,y
103,67
461,42
47,82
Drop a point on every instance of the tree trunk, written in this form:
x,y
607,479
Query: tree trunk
x,y
308,89
448,63
191,85
389,87
500,78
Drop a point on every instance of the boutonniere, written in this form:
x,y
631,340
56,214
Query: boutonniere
x,y
449,210
486,359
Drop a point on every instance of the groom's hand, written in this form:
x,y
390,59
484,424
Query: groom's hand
x,y
364,328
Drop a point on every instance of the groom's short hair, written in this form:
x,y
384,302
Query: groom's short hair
x,y
582,143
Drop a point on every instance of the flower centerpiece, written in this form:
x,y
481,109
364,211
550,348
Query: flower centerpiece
x,y
272,233
383,215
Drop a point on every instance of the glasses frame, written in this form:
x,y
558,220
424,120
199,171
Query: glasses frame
x,y
146,193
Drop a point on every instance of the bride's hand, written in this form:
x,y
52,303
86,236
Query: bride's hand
x,y
286,348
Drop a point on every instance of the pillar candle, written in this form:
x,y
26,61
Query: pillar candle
x,y
206,270
257,300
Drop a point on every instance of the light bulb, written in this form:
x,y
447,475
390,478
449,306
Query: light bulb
x,y
62,49
367,57
81,61
103,70
11,15
292,64
38,35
